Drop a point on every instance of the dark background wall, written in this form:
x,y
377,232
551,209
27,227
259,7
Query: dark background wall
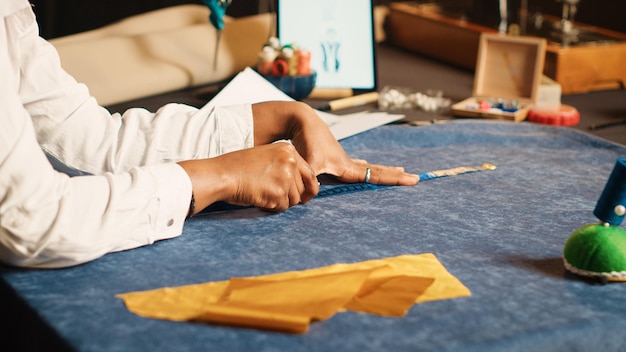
x,y
62,17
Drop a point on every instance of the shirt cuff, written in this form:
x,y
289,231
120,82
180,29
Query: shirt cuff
x,y
174,193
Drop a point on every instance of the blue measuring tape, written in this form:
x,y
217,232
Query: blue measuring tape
x,y
359,187
332,191
349,188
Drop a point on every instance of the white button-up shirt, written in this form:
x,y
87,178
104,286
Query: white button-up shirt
x,y
137,195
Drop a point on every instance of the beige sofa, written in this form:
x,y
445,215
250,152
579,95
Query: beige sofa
x,y
161,51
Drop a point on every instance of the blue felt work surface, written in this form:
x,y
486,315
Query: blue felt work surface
x,y
500,232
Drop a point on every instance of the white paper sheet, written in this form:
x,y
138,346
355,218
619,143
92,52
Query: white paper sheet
x,y
250,87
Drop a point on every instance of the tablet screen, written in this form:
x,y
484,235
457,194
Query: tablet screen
x,y
340,36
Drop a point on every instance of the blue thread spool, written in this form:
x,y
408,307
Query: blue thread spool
x,y
610,206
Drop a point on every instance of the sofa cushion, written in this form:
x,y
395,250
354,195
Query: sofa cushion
x,y
160,51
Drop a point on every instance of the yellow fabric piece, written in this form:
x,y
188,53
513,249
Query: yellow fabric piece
x,y
289,301
318,297
392,298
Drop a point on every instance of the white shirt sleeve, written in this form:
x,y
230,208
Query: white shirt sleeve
x,y
48,219
59,107
138,194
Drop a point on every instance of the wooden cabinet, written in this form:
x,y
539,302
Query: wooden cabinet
x,y
577,68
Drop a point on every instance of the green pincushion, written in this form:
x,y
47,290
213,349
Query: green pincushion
x,y
597,251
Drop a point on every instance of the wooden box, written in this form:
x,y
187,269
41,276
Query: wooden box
x,y
507,77
422,28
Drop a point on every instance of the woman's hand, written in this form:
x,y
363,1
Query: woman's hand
x,y
272,177
316,144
